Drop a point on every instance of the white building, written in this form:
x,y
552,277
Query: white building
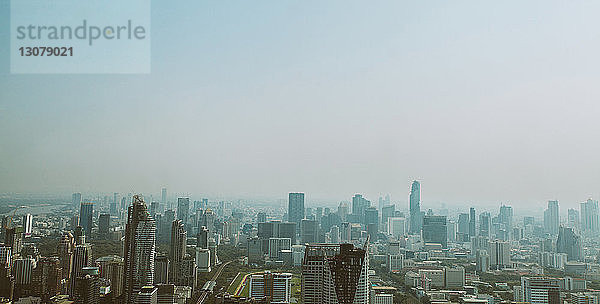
x,y
396,226
203,259
395,262
275,286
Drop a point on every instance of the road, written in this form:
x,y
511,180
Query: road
x,y
205,293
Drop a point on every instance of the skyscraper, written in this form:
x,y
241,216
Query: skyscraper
x,y
177,252
183,209
139,249
485,223
500,255
296,208
335,273
104,225
589,217
27,225
359,205
551,218
415,208
76,199
570,243
435,230
85,217
472,231
163,199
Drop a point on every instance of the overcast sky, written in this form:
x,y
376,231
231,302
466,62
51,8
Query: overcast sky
x,y
483,101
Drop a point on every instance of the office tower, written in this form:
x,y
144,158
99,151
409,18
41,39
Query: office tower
x,y
551,218
13,238
189,270
334,235
343,211
573,219
451,229
454,277
309,231
296,208
161,269
372,218
359,205
500,255
434,230
538,290
65,254
76,199
79,235
87,286
23,270
335,273
387,212
166,293
202,238
482,261
177,252
111,268
255,252
82,257
261,217
208,220
589,217
47,278
463,224
485,222
147,295
27,225
276,245
396,226
104,225
163,197
114,204
85,217
203,259
395,262
570,243
139,249
275,287
415,208
506,217
287,230
183,209
164,229
472,231
154,208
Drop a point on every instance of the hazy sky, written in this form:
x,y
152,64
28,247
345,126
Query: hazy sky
x,y
483,101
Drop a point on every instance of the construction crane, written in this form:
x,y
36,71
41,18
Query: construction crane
x,y
9,220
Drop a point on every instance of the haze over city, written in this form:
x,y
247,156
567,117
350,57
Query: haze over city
x,y
482,102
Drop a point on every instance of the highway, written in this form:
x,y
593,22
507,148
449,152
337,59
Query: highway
x,y
208,286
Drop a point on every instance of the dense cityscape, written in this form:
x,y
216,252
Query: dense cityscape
x,y
133,249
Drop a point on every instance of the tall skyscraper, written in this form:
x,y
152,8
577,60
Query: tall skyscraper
x,y
359,205
76,199
463,223
573,219
335,273
183,209
296,208
506,220
415,208
163,199
485,224
570,243
309,231
435,230
177,252
27,224
85,217
472,223
500,255
104,225
139,249
551,218
371,218
590,217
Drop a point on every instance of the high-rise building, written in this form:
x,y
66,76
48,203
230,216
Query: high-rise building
x,y
570,243
387,212
275,287
538,290
309,231
161,269
47,278
104,225
472,222
434,230
114,204
177,252
147,295
111,269
85,217
335,274
372,218
485,223
500,255
183,209
27,225
573,219
359,205
551,218
82,257
87,286
139,249
463,223
396,226
590,217
296,208
415,208
76,199
163,197
276,245
506,218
